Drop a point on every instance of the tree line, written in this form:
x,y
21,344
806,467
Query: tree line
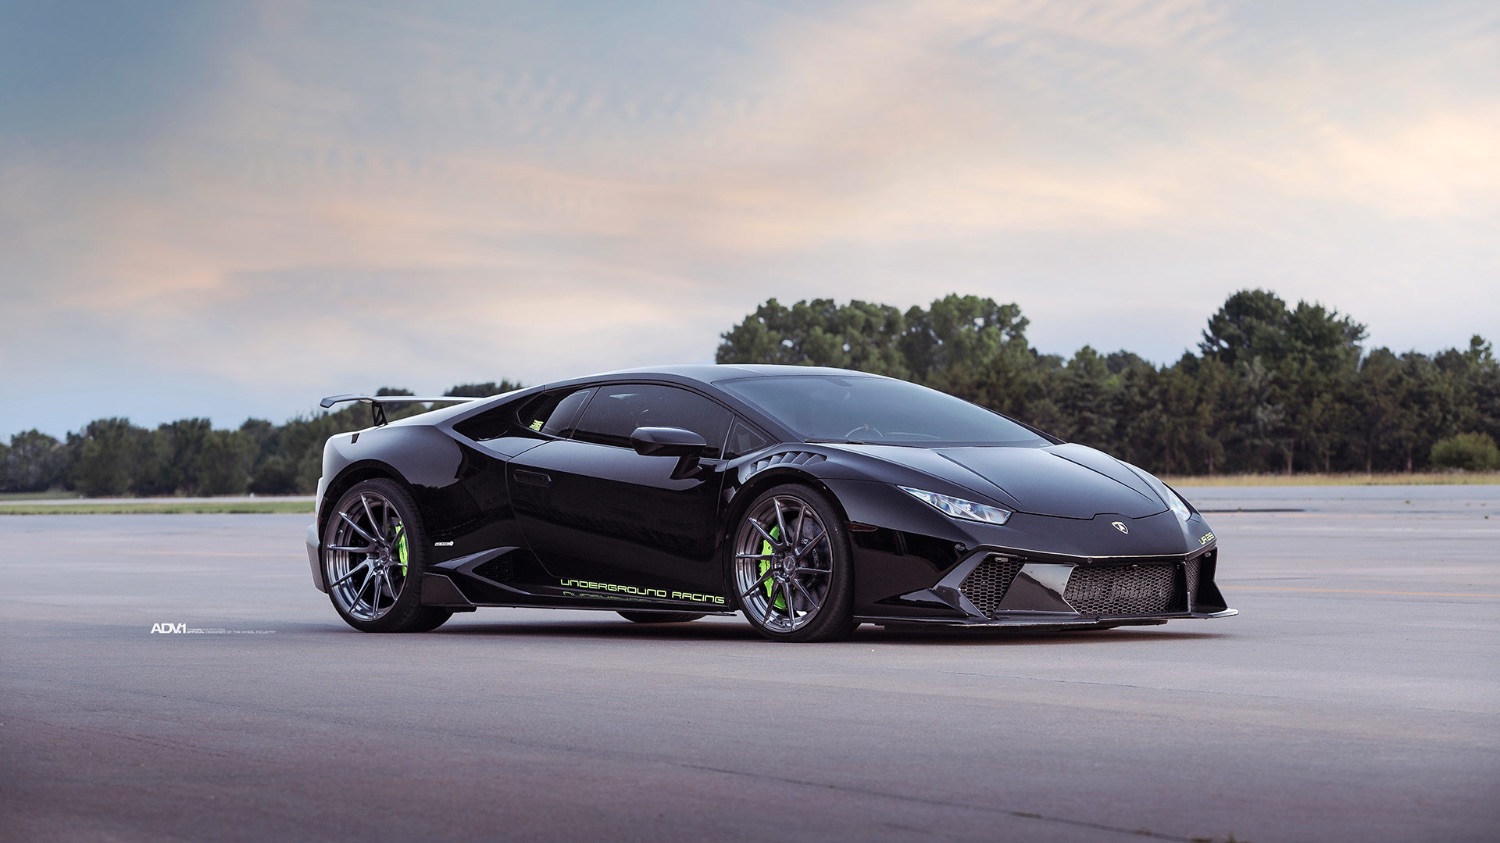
x,y
112,457
1271,388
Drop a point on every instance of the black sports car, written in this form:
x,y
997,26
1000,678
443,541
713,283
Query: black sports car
x,y
810,499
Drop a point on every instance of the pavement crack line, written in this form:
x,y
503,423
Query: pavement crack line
x,y
1237,693
948,803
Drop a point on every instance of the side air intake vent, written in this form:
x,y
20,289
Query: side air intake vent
x,y
497,570
785,458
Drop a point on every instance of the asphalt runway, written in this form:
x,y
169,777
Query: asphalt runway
x,y
1357,697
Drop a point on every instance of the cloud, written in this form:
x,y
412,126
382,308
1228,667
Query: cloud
x,y
395,191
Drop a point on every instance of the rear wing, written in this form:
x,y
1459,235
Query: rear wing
x,y
377,402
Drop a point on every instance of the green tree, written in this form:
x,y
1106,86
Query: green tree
x,y
960,337
105,457
34,462
820,332
1383,410
1295,370
171,458
1139,409
1466,452
1251,323
1318,372
1422,416
1485,386
1177,400
1248,335
1083,400
1213,422
221,465
1467,389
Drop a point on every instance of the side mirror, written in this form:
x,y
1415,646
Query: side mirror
x,y
685,445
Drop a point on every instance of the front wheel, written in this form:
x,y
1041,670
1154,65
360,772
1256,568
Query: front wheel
x,y
790,566
374,553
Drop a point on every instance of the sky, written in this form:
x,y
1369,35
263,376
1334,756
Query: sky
x,y
231,209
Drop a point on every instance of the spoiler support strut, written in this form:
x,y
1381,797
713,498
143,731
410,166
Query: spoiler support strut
x,y
377,403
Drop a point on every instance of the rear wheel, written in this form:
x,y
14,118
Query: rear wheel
x,y
374,553
790,566
659,617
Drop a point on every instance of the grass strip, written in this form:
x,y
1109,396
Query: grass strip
x,y
161,508
49,495
1430,478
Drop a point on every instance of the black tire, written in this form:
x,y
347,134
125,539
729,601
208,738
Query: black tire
x,y
659,617
374,553
789,566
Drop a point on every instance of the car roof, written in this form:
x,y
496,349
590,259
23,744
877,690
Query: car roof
x,y
715,373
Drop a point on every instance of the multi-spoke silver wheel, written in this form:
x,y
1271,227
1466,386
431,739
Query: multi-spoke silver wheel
x,y
368,556
789,568
371,560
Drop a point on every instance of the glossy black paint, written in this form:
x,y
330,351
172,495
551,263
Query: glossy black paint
x,y
520,516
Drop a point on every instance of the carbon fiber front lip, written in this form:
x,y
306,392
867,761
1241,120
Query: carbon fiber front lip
x,y
1046,620
1036,596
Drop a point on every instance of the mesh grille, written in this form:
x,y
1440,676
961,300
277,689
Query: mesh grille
x,y
1121,590
1191,568
985,586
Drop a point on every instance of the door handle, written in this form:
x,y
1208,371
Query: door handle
x,y
532,478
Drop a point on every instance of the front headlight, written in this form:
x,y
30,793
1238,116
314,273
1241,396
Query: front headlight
x,y
960,508
1168,497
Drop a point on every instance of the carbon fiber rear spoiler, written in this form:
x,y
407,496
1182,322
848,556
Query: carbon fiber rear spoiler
x,y
377,402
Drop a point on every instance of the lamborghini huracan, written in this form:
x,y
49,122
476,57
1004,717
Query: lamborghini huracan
x,y
809,499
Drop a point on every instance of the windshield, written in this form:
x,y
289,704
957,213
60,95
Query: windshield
x,y
872,409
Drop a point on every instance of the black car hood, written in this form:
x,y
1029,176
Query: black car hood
x,y
1064,481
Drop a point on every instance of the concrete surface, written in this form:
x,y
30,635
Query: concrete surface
x,y
1356,698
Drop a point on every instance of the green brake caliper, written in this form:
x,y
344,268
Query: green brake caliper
x,y
401,551
777,600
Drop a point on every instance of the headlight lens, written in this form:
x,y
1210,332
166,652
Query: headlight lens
x,y
1168,497
1177,504
960,508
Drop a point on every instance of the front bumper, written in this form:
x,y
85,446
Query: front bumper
x,y
998,587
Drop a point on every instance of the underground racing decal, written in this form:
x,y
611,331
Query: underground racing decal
x,y
594,589
1205,539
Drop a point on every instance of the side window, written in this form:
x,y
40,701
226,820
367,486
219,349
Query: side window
x,y
554,413
617,411
744,439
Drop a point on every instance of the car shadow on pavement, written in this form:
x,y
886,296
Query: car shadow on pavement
x,y
1029,638
865,634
